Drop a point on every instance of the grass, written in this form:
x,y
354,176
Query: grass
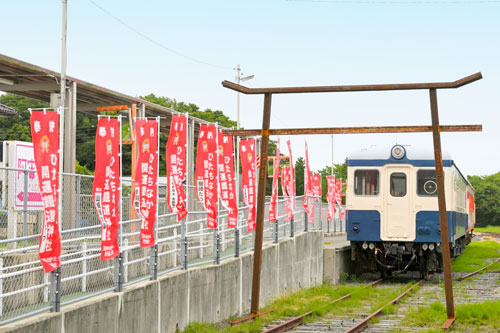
x,y
317,299
476,317
477,255
490,228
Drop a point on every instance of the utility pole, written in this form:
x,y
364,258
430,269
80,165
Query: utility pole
x,y
332,155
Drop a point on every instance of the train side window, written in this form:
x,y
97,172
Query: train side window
x,y
398,184
366,182
426,183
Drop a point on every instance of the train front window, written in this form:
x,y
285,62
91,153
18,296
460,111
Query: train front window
x,y
398,184
366,182
426,183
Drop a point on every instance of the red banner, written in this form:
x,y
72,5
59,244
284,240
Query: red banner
x,y
276,176
330,197
176,166
206,172
105,192
285,187
316,185
248,178
45,137
146,178
227,187
338,196
291,184
306,201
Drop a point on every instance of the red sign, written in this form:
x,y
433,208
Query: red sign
x,y
285,186
307,200
176,166
330,197
338,196
291,184
276,176
105,192
316,185
146,178
227,188
45,136
206,172
248,178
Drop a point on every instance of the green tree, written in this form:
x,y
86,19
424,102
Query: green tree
x,y
487,199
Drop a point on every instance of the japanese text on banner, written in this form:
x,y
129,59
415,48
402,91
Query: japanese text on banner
x,y
105,192
146,178
176,166
45,136
276,176
206,172
248,178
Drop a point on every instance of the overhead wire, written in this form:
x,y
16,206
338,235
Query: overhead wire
x,y
402,2
137,32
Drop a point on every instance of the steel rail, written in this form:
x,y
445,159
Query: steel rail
x,y
362,324
355,130
352,88
291,323
479,270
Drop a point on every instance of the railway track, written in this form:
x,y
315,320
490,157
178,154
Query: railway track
x,y
484,287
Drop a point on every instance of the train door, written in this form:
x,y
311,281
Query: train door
x,y
398,216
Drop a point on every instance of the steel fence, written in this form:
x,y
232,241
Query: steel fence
x,y
25,289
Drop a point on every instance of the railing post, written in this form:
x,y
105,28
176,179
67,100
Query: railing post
x,y
25,205
125,261
306,222
185,256
78,200
236,242
183,236
327,223
46,288
119,272
175,248
154,262
1,286
292,222
335,222
84,266
276,229
320,217
217,244
55,290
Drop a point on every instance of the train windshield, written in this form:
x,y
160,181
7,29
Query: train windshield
x,y
366,182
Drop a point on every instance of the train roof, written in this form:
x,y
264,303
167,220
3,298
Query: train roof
x,y
376,156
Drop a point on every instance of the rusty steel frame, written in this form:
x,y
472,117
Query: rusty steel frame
x,y
265,132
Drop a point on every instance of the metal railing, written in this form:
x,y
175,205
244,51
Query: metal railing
x,y
25,289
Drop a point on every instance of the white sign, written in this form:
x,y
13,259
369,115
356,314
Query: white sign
x,y
21,157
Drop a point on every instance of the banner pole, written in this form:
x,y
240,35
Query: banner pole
x,y
184,241
119,261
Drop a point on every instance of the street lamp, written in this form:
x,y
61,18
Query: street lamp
x,y
240,78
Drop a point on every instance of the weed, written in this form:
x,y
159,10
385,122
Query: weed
x,y
490,228
475,256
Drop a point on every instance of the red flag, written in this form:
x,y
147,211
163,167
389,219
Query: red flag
x,y
276,176
248,178
306,201
316,185
176,166
227,187
338,196
146,178
285,187
330,197
45,137
291,184
206,172
105,192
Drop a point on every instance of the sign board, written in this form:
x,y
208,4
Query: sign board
x,y
20,156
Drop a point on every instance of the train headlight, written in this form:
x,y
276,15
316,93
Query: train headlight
x,y
425,246
371,246
364,246
431,246
398,152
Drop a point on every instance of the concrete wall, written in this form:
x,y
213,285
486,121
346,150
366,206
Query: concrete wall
x,y
210,293
336,263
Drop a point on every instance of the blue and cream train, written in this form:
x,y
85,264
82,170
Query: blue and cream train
x,y
392,210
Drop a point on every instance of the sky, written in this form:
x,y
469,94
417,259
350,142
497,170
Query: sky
x,y
185,49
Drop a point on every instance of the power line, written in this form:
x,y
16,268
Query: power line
x,y
137,32
402,2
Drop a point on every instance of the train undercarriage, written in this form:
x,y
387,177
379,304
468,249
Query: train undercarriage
x,y
393,258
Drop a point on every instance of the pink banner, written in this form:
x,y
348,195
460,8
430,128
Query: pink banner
x,y
248,178
330,197
105,192
227,186
276,176
45,137
307,200
206,172
176,166
146,178
285,187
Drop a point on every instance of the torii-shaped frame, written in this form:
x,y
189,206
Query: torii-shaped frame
x,y
436,129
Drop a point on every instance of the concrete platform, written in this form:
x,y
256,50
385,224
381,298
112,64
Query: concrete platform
x,y
337,264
